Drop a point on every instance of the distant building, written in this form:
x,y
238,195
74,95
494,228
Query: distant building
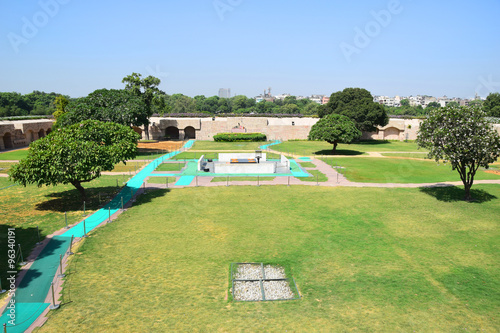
x,y
224,93
317,98
325,100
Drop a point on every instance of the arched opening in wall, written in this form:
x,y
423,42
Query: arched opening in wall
x,y
391,133
172,133
30,137
49,130
41,133
189,133
7,141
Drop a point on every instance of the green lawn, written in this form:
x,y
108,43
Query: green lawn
x,y
130,166
5,166
317,176
422,155
170,166
308,148
240,179
212,145
15,155
306,164
364,259
190,155
162,180
25,208
388,170
150,154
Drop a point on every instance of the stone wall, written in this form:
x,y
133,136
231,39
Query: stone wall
x,y
19,134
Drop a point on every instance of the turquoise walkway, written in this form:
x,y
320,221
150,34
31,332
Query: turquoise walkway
x,y
34,287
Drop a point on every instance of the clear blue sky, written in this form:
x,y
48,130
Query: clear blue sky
x,y
196,47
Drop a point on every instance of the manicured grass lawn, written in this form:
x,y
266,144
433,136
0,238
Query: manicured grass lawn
x,y
130,166
364,259
192,155
317,176
212,145
240,179
422,155
388,170
5,166
308,148
306,164
14,155
162,180
170,166
149,154
25,208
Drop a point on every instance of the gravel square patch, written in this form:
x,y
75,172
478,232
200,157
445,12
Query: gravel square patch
x,y
259,282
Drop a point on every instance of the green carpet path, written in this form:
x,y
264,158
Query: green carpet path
x,y
28,301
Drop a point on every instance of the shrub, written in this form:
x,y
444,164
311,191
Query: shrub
x,y
233,137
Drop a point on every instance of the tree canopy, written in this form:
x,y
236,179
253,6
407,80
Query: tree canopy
x,y
358,105
492,105
145,88
335,129
76,154
463,137
119,106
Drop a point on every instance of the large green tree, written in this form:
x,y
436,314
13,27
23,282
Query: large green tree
x,y
145,88
462,136
118,106
492,105
76,154
358,105
335,129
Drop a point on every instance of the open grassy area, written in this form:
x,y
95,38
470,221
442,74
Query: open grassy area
x,y
415,260
388,170
130,166
191,155
170,166
240,179
306,164
317,176
421,155
25,208
162,180
308,148
148,154
14,155
212,145
5,166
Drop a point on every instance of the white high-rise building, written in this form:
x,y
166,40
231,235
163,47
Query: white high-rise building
x,y
224,93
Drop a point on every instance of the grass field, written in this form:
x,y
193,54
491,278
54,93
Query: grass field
x,y
388,170
308,148
212,145
240,179
422,155
14,155
130,166
170,166
317,176
162,180
193,155
5,166
306,164
25,208
369,260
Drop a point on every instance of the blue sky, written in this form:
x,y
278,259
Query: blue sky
x,y
299,47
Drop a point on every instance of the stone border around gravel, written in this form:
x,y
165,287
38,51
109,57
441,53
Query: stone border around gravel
x,y
253,282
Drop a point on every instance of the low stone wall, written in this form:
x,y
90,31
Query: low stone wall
x,y
19,134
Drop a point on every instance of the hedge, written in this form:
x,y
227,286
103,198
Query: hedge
x,y
233,137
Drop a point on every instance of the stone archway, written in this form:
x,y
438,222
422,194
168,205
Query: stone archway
x,y
30,136
189,133
7,141
172,133
41,133
391,133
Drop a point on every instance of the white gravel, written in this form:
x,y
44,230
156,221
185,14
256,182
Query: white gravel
x,y
251,290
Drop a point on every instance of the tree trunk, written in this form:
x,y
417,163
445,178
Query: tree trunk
x,y
146,130
335,143
80,189
467,187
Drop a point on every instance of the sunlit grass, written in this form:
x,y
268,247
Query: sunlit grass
x,y
212,145
14,155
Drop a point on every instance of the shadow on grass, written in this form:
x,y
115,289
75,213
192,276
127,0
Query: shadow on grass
x,y
150,195
338,152
453,194
70,200
373,142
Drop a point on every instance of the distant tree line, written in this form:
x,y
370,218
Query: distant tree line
x,y
36,103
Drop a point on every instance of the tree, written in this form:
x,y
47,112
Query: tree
x,y
76,154
335,129
147,90
358,105
118,106
61,102
462,136
492,105
405,102
433,105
